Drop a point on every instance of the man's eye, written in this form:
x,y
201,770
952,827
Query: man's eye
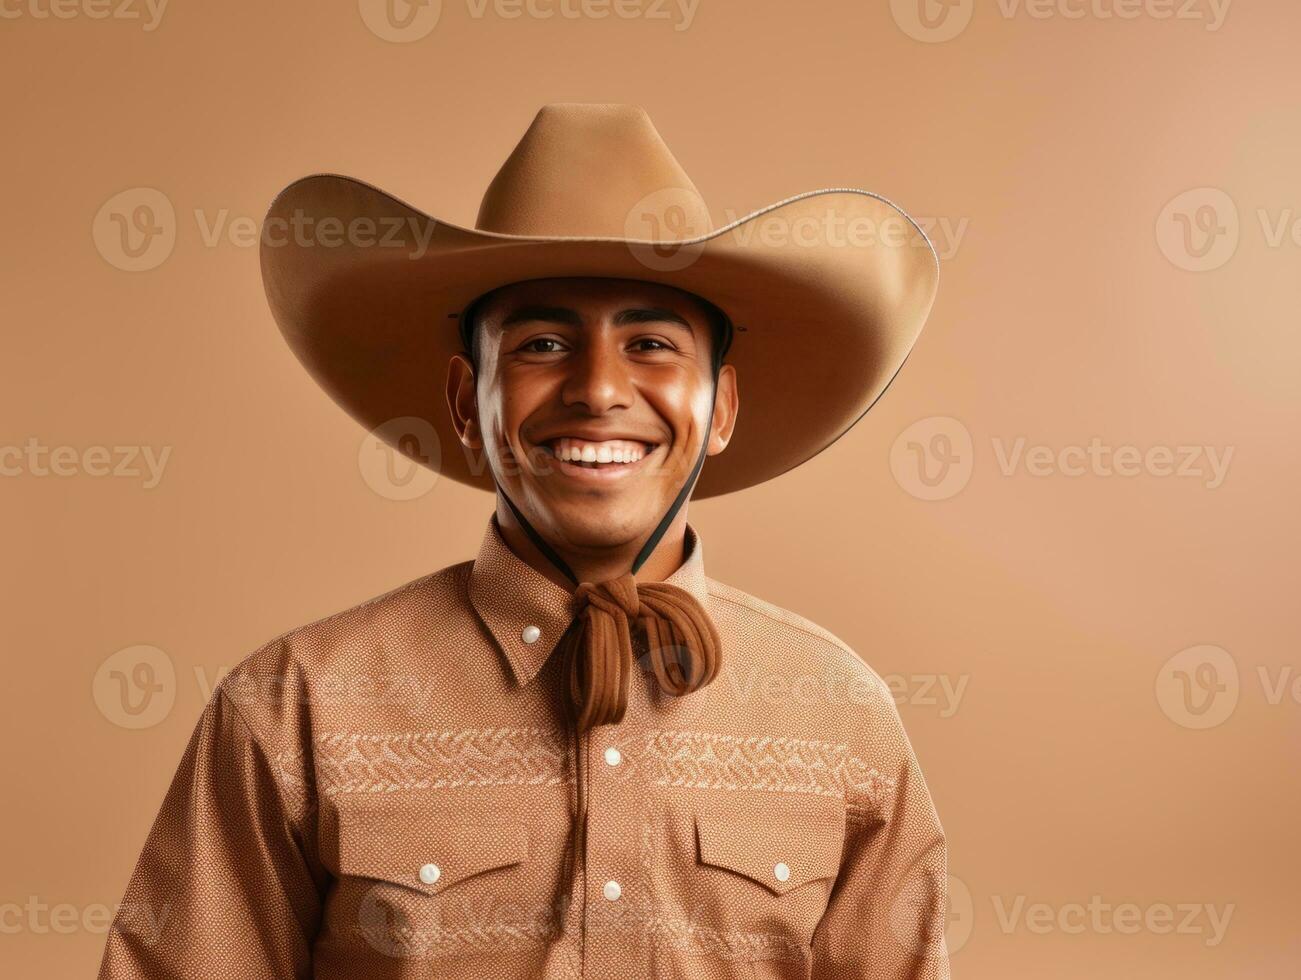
x,y
656,344
533,347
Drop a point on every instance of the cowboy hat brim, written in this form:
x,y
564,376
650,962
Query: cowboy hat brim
x,y
827,291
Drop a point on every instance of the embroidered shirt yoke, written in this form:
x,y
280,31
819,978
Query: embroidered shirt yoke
x,y
390,793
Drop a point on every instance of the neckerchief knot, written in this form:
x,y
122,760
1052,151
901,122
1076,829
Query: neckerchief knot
x,y
682,645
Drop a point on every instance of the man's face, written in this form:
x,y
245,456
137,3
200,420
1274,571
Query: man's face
x,y
592,403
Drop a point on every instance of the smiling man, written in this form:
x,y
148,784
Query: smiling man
x,y
577,754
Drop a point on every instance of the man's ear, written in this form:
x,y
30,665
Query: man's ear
x,y
463,402
726,405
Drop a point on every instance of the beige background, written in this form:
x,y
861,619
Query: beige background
x,y
1073,308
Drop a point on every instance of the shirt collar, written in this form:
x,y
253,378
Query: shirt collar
x,y
510,595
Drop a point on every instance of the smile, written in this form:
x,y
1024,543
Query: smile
x,y
599,459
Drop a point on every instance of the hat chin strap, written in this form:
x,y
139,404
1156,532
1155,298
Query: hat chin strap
x,y
682,644
718,352
652,542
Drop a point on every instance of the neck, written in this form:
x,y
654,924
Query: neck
x,y
598,564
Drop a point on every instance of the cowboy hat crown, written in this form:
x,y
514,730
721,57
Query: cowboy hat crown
x,y
545,187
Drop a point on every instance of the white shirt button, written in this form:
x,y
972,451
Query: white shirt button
x,y
612,891
429,873
613,756
781,872
530,634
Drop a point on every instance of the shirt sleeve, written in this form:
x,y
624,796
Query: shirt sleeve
x,y
227,885
888,908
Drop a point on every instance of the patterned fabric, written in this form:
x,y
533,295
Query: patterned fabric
x,y
392,791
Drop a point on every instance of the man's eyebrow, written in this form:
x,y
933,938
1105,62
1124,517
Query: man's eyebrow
x,y
653,314
563,314
547,314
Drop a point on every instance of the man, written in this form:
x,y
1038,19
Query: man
x,y
576,755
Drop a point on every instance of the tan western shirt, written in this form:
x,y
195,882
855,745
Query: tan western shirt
x,y
389,792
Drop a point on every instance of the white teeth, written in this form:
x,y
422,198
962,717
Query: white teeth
x,y
608,451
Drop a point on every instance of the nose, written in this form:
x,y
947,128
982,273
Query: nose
x,y
599,378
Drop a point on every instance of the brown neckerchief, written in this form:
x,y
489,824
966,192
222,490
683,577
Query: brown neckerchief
x,y
682,646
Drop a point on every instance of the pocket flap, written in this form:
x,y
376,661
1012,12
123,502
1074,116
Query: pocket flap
x,y
779,852
423,854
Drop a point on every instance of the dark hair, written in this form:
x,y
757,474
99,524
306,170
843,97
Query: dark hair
x,y
720,328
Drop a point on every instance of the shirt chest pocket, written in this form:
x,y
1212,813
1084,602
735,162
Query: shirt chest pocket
x,y
762,880
412,884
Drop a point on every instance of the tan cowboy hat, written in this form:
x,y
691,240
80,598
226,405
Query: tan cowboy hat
x,y
827,290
